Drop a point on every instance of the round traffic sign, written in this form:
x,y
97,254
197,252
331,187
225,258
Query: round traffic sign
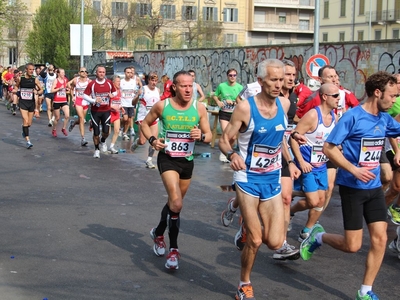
x,y
314,63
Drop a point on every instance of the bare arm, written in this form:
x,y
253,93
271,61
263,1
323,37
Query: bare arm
x,y
200,91
204,126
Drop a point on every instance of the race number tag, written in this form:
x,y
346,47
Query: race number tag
x,y
179,144
227,107
370,152
105,100
62,93
318,158
79,92
127,94
265,159
26,94
288,131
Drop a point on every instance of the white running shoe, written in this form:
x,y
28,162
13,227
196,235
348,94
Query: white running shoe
x,y
83,142
159,244
149,164
228,214
133,132
113,150
96,154
103,147
125,137
286,252
71,125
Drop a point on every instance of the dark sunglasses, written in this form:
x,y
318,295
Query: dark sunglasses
x,y
232,75
83,71
333,95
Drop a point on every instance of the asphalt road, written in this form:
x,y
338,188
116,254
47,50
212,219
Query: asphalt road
x,y
75,227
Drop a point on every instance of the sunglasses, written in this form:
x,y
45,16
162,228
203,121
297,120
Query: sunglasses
x,y
83,71
232,75
333,95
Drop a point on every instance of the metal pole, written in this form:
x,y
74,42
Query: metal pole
x,y
82,39
316,27
370,20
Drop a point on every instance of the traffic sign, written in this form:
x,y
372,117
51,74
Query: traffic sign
x,y
314,63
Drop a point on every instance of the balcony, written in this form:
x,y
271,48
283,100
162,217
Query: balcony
x,y
278,27
304,4
384,16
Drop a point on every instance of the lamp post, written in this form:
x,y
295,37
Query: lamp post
x,y
82,31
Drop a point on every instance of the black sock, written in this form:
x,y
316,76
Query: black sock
x,y
163,221
96,147
25,130
173,228
14,106
102,140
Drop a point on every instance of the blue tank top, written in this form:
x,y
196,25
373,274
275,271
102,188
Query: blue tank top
x,y
260,146
312,150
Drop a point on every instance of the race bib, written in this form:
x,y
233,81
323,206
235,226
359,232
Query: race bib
x,y
62,93
128,94
179,144
105,100
318,158
227,107
26,94
265,159
370,152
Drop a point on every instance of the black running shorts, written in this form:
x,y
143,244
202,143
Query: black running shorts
x,y
180,165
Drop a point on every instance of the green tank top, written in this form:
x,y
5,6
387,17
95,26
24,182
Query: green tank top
x,y
175,126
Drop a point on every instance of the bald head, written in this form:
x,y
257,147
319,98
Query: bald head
x,y
328,88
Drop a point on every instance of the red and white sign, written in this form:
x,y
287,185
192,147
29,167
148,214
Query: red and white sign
x,y
314,63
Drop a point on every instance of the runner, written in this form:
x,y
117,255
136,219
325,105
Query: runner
x,y
98,93
116,110
60,102
183,121
361,133
227,96
260,123
48,77
197,90
149,97
24,88
77,86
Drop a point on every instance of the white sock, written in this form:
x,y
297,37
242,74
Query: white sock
x,y
318,237
111,145
365,289
231,207
149,158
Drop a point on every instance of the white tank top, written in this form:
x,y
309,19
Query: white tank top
x,y
128,91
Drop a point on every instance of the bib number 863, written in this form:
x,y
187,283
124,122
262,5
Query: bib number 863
x,y
179,146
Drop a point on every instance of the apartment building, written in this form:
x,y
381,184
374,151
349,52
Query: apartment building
x,y
280,22
359,20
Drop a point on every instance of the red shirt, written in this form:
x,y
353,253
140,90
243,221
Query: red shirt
x,y
167,90
102,90
61,95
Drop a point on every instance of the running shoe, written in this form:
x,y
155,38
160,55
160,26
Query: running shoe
x,y
369,296
135,145
159,244
240,236
113,150
228,214
133,132
71,125
223,158
83,142
310,244
286,252
245,292
173,259
36,114
96,154
303,235
290,226
394,214
8,105
64,131
398,239
103,147
50,123
393,246
13,112
29,145
120,132
125,137
150,165
54,133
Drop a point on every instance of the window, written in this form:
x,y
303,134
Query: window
x,y
12,55
230,39
361,8
97,7
230,15
167,11
326,9
342,8
143,9
341,36
12,32
210,14
395,34
282,19
189,12
304,24
118,38
378,35
360,35
325,37
119,9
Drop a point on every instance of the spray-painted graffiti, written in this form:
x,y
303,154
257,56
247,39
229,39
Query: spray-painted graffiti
x,y
353,62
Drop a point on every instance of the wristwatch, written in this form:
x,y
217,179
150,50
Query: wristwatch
x,y
229,154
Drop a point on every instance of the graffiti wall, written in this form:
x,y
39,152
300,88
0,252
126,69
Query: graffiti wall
x,y
354,62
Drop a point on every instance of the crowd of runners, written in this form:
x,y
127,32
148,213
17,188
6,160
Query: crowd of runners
x,y
282,141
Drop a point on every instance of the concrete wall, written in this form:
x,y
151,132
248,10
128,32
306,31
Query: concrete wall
x,y
354,62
